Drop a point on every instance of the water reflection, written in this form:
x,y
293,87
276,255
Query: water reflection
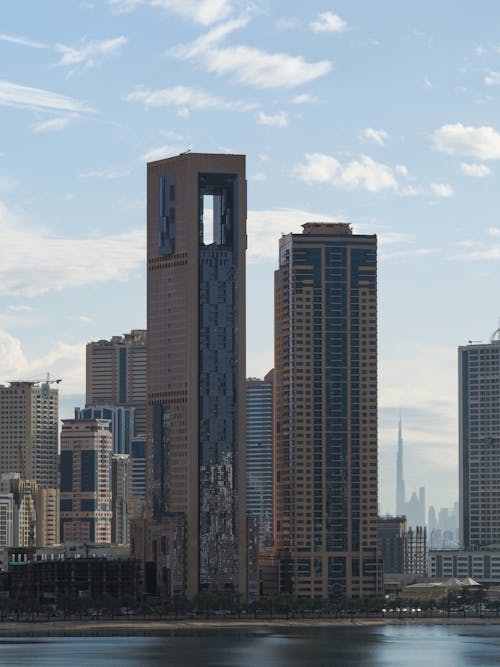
x,y
389,646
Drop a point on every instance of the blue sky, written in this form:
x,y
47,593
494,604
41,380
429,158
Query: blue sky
x,y
383,114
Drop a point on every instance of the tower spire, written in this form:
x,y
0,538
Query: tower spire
x,y
400,483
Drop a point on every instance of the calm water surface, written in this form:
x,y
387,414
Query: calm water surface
x,y
390,646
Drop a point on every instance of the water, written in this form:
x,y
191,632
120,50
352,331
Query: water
x,y
387,646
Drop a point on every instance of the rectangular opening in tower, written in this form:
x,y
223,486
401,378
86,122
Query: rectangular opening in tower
x,y
207,221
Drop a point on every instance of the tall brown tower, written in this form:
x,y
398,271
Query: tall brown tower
x,y
196,373
326,412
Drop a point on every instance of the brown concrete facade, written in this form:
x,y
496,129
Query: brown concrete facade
x,y
325,456
196,289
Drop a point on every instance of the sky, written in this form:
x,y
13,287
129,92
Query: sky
x,y
381,114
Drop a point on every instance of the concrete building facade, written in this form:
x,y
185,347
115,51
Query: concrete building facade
x,y
29,431
85,492
479,444
116,376
196,373
259,455
325,380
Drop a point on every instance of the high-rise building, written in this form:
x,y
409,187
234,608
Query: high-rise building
x,y
28,431
116,376
196,373
47,517
259,453
6,520
85,492
121,498
326,412
479,444
400,482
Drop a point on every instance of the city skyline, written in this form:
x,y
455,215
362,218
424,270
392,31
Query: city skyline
x,y
336,126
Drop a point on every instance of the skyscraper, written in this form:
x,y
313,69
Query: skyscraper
x,y
196,373
479,444
116,376
28,431
400,482
326,412
259,448
85,496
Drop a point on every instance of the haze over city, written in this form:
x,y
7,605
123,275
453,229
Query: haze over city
x,y
379,114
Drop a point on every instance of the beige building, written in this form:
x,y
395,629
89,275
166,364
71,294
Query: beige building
x,y
116,375
325,389
121,498
85,491
47,517
28,431
196,373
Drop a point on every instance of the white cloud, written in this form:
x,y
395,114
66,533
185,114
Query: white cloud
x,y
428,83
161,152
204,12
91,53
107,173
208,39
54,124
402,169
73,262
378,136
262,69
493,231
276,120
476,170
442,190
492,78
63,360
25,97
21,309
22,41
287,23
265,227
480,142
304,98
362,174
328,22
412,191
183,98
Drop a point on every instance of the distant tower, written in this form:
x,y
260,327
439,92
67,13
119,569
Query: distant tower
x,y
400,482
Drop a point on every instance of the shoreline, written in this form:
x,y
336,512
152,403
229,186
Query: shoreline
x,y
193,627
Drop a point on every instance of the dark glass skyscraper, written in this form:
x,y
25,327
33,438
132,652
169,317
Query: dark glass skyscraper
x,y
196,373
326,412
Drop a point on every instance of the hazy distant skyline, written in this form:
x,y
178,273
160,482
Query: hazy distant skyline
x,y
381,114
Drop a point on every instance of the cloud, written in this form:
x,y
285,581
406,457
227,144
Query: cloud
x,y
261,69
477,250
378,136
442,190
476,170
492,78
161,152
91,53
22,41
277,120
37,99
54,124
264,228
304,98
183,98
208,39
362,174
479,142
63,360
73,262
107,173
21,309
204,12
402,169
328,22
